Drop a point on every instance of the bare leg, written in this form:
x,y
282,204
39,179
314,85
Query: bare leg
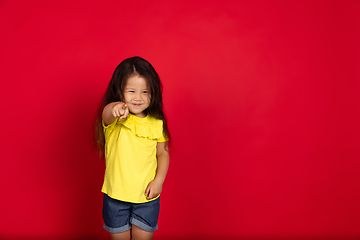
x,y
140,234
121,236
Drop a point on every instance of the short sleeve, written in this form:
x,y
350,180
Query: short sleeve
x,y
109,128
162,139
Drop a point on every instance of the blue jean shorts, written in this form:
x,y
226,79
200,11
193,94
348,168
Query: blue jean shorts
x,y
119,216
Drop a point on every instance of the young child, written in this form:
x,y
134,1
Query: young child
x,y
133,133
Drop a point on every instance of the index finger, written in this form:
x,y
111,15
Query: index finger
x,y
126,112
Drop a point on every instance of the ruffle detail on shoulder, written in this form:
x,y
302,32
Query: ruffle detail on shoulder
x,y
151,128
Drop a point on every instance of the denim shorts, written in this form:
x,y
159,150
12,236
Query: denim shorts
x,y
119,216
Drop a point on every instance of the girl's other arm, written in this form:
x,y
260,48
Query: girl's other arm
x,y
155,187
114,110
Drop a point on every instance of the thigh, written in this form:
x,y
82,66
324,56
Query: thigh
x,y
116,215
145,215
140,234
121,236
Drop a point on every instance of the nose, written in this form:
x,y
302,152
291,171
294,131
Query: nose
x,y
137,96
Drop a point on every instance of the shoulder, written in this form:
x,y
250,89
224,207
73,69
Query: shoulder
x,y
154,122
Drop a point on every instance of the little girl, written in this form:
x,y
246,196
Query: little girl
x,y
132,131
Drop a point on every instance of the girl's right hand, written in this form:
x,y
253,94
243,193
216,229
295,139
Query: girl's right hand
x,y
120,110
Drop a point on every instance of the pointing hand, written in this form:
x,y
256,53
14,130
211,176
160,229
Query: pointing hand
x,y
120,110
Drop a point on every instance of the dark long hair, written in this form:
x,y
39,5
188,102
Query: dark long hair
x,y
115,92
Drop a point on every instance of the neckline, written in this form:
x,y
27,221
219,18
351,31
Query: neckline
x,y
136,117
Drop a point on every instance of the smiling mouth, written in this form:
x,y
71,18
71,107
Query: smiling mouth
x,y
136,105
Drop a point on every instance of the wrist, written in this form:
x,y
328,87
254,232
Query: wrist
x,y
159,180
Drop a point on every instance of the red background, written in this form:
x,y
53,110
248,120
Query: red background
x,y
262,99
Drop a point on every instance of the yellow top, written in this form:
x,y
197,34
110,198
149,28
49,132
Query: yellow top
x,y
130,152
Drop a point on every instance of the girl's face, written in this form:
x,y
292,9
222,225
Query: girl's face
x,y
137,95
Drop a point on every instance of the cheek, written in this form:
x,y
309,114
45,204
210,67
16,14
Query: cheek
x,y
146,98
126,98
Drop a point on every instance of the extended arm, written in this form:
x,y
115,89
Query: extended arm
x,y
155,187
114,110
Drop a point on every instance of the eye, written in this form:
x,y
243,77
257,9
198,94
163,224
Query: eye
x,y
145,92
131,91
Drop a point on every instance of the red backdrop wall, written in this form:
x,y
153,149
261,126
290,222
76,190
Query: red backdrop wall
x,y
262,99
